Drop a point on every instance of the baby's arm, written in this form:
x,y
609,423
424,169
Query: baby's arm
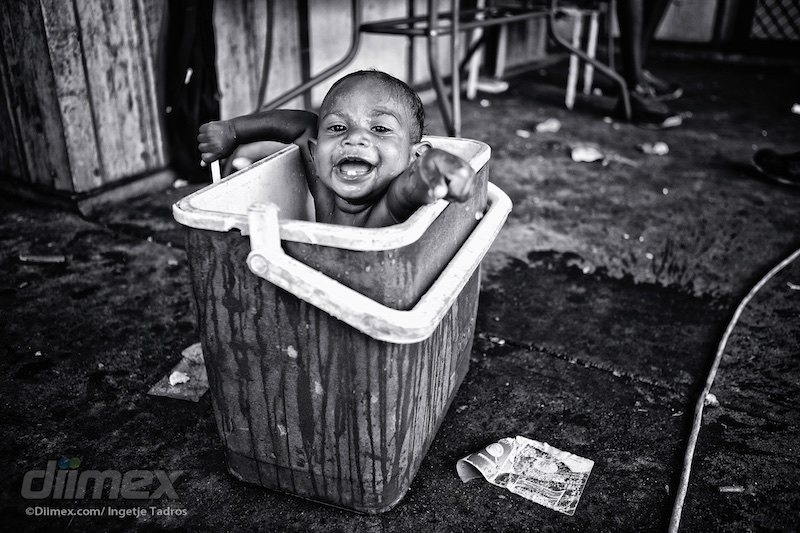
x,y
217,140
433,175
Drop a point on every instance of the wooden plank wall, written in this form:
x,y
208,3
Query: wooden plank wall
x,y
240,27
33,147
74,100
79,80
120,81
79,88
329,30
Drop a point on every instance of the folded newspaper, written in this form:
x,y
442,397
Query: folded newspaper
x,y
532,469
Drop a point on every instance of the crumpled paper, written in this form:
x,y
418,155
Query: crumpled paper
x,y
532,469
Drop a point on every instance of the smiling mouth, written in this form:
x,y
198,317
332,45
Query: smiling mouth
x,y
354,168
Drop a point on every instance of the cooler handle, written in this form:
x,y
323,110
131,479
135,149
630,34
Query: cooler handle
x,y
267,260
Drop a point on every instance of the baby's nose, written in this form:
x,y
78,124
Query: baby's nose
x,y
359,136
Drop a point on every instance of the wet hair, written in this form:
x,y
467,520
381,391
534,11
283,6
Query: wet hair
x,y
398,88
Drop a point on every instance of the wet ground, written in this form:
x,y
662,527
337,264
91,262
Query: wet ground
x,y
603,301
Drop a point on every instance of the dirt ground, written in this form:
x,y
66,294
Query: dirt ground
x,y
603,301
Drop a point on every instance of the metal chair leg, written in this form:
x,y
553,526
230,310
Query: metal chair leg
x,y
455,71
442,98
560,41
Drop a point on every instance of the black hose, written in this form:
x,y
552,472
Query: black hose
x,y
262,90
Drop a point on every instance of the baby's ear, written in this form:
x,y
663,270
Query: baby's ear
x,y
312,147
419,149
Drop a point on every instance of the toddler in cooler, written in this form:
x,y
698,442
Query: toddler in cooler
x,y
364,157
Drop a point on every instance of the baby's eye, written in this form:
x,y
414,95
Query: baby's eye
x,y
381,129
336,128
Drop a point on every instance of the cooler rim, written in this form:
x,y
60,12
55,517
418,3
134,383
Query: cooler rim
x,y
351,238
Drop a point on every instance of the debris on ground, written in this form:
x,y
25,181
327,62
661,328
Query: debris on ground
x,y
620,159
50,259
532,469
586,154
525,134
178,378
711,400
194,353
591,154
492,86
551,125
656,148
188,380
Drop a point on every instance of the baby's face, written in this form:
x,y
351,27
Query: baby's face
x,y
363,141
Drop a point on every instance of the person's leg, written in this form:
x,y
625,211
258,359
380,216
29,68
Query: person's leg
x,y
654,11
647,111
630,17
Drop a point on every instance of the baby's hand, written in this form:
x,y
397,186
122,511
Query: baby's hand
x,y
216,140
445,175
